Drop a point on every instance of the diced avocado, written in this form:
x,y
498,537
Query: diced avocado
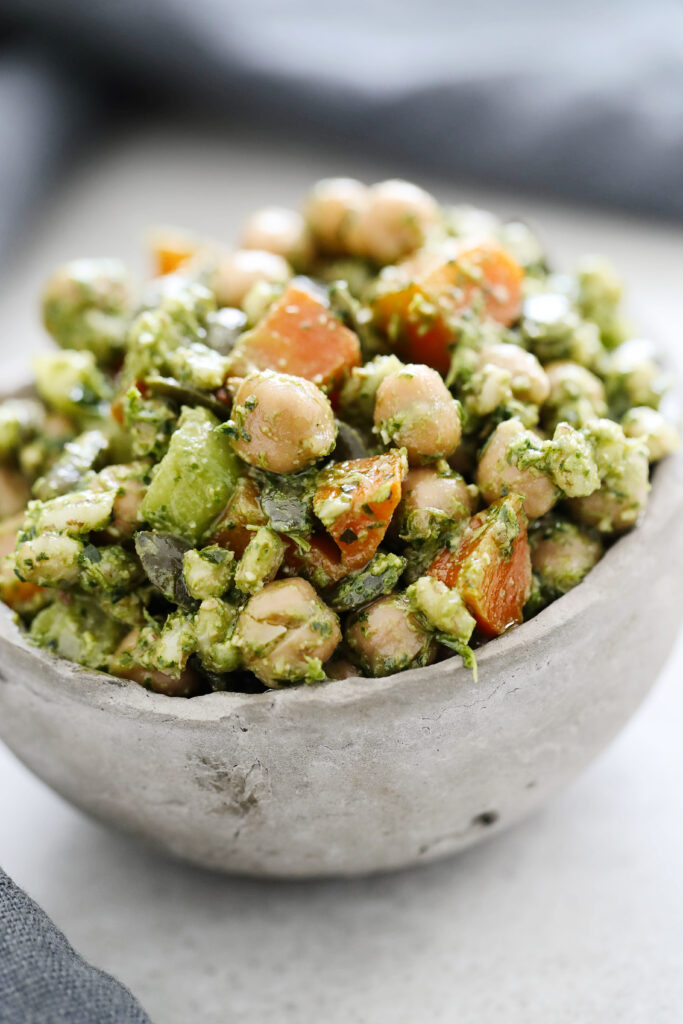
x,y
194,480
150,422
209,572
214,627
111,569
78,631
260,562
71,383
174,645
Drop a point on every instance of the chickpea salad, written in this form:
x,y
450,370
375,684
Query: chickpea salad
x,y
378,433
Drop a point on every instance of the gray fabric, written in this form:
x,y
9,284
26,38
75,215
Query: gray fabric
x,y
42,979
583,99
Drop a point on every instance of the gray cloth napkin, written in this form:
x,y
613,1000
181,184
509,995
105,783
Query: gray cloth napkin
x,y
44,981
582,99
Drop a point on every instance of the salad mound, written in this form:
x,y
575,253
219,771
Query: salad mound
x,y
378,433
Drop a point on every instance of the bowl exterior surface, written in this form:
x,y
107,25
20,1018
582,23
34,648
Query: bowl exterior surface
x,y
361,775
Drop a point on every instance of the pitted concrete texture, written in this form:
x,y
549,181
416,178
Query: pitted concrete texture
x,y
359,775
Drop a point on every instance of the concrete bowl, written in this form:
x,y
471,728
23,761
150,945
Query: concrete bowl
x,y
361,775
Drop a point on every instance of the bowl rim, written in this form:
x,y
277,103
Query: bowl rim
x,y
103,690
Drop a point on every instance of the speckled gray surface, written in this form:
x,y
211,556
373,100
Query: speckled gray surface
x,y
360,776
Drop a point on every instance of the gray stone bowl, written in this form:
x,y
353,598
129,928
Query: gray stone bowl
x,y
361,775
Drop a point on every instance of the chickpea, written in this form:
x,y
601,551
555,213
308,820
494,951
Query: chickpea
x,y
415,410
237,272
529,380
386,637
395,222
497,474
278,230
431,498
332,207
562,553
576,396
281,423
660,436
339,668
125,666
286,633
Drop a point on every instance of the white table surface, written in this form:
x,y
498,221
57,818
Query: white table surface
x,y
575,916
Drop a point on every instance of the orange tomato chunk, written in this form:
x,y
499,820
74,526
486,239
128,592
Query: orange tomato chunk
x,y
492,566
242,512
170,248
355,501
321,564
299,336
420,299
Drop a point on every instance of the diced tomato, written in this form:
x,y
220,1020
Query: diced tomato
x,y
321,563
355,500
492,566
445,567
170,248
299,335
426,292
18,594
242,511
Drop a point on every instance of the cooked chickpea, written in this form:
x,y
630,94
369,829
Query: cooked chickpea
x,y
431,498
278,230
395,222
339,668
286,633
562,554
528,379
237,272
497,475
660,436
386,637
331,209
125,665
576,396
415,410
281,423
